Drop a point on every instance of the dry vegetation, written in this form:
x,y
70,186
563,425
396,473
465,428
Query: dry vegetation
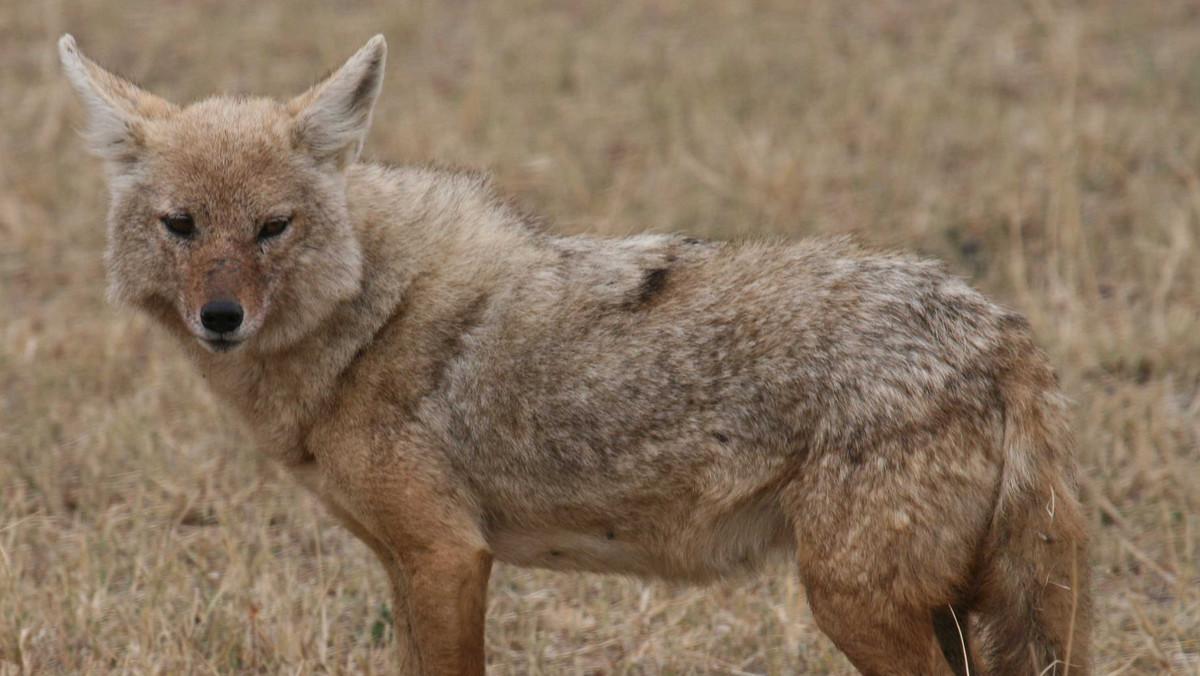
x,y
1048,151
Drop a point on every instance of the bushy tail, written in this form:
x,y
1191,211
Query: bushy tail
x,y
1033,605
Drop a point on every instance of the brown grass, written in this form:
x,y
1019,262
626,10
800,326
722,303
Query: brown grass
x,y
1049,151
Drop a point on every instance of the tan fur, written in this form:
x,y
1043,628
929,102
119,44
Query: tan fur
x,y
458,386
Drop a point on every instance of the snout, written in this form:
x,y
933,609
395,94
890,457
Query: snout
x,y
223,298
221,315
221,318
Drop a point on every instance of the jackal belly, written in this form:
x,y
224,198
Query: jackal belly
x,y
688,540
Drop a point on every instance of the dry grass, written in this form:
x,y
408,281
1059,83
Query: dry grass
x,y
1049,151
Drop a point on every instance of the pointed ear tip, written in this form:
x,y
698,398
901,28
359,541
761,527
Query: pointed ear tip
x,y
66,46
377,43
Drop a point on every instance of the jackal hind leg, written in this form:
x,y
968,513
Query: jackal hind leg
x,y
881,597
879,638
882,550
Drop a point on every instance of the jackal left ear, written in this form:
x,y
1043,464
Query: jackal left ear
x,y
117,108
332,118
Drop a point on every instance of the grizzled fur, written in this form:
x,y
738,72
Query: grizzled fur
x,y
460,387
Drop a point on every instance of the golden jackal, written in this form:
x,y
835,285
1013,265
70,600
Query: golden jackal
x,y
459,386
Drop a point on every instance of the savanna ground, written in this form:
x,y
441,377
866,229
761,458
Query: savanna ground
x,y
1049,151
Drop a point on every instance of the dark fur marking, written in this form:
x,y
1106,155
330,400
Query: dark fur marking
x,y
721,437
654,281
953,645
455,329
349,373
856,447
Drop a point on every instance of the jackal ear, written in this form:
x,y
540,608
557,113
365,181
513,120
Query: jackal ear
x,y
117,108
332,118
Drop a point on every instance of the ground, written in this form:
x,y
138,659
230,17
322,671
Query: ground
x,y
1049,151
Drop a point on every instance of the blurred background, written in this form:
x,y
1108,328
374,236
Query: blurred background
x,y
1049,151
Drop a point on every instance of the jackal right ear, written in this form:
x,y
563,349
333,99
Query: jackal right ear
x,y
332,118
117,108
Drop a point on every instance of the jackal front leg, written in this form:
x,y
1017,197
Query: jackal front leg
x,y
439,594
440,602
438,564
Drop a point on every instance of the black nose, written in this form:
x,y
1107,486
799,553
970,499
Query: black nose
x,y
221,316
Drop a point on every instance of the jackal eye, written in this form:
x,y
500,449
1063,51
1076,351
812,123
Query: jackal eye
x,y
180,225
273,228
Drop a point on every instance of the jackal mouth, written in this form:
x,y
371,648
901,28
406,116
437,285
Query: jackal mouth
x,y
220,344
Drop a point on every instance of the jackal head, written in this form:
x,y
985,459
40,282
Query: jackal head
x,y
228,217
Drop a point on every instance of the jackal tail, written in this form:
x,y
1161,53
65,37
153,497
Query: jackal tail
x,y
1033,604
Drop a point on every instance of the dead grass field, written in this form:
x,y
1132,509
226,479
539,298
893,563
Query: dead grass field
x,y
1049,151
